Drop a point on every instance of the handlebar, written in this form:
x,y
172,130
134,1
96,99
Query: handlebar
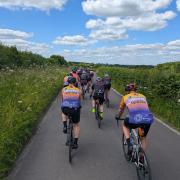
x,y
118,119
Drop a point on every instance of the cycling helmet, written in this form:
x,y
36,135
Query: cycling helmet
x,y
71,80
98,79
131,87
66,84
74,69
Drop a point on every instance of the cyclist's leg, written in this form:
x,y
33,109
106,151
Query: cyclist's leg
x,y
101,107
108,91
94,103
143,131
64,120
76,123
126,131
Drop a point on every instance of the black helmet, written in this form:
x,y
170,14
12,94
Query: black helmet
x,y
131,87
71,80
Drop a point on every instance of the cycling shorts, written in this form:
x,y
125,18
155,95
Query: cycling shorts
x,y
73,112
99,97
107,86
89,79
83,82
145,127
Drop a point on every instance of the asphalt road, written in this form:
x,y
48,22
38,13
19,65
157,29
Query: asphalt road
x,y
100,155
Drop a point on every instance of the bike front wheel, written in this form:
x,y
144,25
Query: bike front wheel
x,y
143,167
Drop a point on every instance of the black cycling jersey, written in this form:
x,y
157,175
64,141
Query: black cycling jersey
x,y
98,87
107,80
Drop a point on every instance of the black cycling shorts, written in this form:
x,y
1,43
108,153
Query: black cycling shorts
x,y
107,86
83,82
144,127
73,112
88,79
99,97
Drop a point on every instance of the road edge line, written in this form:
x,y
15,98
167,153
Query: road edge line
x,y
157,119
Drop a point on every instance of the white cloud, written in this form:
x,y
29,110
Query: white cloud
x,y
128,54
122,7
11,37
178,5
116,28
124,15
11,34
73,40
108,34
44,5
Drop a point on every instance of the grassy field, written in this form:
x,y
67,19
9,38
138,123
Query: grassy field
x,y
24,94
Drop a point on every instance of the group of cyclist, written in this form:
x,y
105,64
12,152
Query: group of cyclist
x,y
138,113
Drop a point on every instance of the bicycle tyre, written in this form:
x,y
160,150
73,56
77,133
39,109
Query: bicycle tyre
x,y
107,103
83,92
70,142
97,115
125,147
143,171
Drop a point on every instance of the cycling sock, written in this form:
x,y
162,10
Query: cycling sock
x,y
128,141
75,140
65,123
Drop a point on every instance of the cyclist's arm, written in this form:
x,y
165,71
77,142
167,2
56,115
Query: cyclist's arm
x,y
121,107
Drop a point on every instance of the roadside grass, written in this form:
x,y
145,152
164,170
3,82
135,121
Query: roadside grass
x,y
24,94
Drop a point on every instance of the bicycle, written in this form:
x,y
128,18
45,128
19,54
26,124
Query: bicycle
x,y
70,137
97,114
83,91
138,156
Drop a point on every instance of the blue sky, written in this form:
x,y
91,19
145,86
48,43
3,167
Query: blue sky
x,y
116,31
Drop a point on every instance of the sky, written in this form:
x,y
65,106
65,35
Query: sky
x,y
131,32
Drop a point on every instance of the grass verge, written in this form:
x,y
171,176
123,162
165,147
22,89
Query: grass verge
x,y
24,94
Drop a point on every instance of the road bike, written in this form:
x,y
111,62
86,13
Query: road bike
x,y
83,88
138,156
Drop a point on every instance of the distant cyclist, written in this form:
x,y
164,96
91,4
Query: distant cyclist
x,y
83,81
107,86
138,115
71,104
89,80
98,95
76,76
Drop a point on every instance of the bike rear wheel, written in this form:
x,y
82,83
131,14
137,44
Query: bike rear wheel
x,y
97,115
83,92
70,142
143,169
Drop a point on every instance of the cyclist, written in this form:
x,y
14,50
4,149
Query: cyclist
x,y
107,86
83,80
138,115
89,82
75,75
98,94
70,105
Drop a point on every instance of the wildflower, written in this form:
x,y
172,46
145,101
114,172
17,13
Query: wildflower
x,y
20,102
29,108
